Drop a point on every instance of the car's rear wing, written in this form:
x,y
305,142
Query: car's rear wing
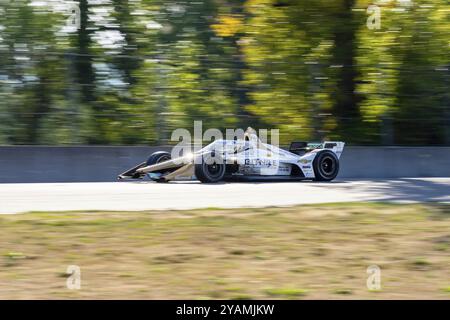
x,y
336,146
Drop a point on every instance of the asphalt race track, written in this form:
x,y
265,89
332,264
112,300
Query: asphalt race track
x,y
146,195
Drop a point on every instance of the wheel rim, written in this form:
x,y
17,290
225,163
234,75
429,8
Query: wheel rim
x,y
214,170
327,166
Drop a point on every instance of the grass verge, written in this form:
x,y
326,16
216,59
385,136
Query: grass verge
x,y
305,252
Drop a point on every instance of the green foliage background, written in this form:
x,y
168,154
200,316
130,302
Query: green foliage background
x,y
135,70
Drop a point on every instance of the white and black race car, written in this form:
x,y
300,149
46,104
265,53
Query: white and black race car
x,y
246,159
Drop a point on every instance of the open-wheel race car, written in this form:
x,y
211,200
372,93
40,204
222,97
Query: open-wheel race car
x,y
246,159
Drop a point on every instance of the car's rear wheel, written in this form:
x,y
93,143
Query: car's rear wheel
x,y
210,170
326,166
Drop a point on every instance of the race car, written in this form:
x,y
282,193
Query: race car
x,y
246,159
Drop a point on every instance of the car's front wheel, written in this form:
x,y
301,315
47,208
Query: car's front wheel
x,y
326,166
155,158
210,170
158,157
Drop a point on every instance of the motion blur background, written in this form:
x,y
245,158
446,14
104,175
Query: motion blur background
x,y
135,70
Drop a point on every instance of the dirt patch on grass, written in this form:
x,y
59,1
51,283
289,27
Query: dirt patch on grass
x,y
306,252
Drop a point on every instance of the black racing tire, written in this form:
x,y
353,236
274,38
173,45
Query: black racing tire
x,y
326,166
210,172
157,157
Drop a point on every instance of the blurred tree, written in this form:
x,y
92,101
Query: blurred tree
x,y
404,74
288,48
201,76
35,83
136,70
345,100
